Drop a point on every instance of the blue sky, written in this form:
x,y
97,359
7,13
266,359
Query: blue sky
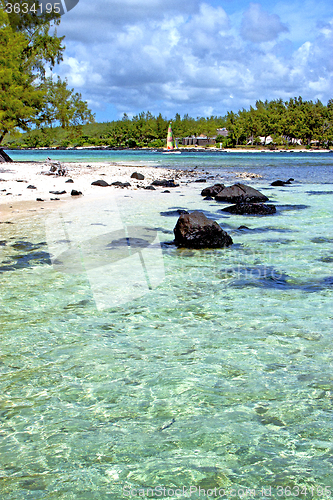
x,y
197,57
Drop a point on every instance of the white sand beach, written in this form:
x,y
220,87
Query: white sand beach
x,y
17,198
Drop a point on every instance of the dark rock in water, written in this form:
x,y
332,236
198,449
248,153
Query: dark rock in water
x,y
151,188
240,193
165,183
323,259
3,243
70,181
321,239
75,193
243,227
54,199
292,207
120,184
39,199
319,192
137,175
100,183
201,180
166,191
250,209
31,187
57,192
208,198
212,190
196,231
282,183
171,213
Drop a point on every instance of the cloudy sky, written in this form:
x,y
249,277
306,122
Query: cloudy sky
x,y
197,57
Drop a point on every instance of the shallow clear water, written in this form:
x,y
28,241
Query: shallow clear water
x,y
220,376
305,167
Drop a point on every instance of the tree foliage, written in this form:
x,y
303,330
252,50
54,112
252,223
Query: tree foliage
x,y
28,45
283,121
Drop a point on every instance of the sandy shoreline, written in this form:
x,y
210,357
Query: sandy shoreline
x,y
22,183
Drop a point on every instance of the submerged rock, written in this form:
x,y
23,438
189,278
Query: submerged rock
x,y
250,209
282,183
171,213
165,183
212,190
195,230
240,193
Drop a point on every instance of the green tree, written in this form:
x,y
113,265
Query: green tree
x,y
19,97
62,105
26,47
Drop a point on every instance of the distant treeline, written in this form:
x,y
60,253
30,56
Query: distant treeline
x,y
284,121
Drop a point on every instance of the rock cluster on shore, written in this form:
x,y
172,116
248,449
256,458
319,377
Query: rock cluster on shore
x,y
247,200
195,230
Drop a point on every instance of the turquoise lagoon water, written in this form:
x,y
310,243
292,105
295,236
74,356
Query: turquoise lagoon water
x,y
311,167
220,376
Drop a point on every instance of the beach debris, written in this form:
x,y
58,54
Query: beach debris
x,y
240,193
195,230
75,193
55,168
212,190
282,183
20,180
247,175
69,181
31,187
165,183
250,209
100,183
167,425
57,192
138,176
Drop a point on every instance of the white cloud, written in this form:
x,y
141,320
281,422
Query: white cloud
x,y
260,26
174,57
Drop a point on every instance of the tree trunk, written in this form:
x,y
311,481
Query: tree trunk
x,y
4,158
